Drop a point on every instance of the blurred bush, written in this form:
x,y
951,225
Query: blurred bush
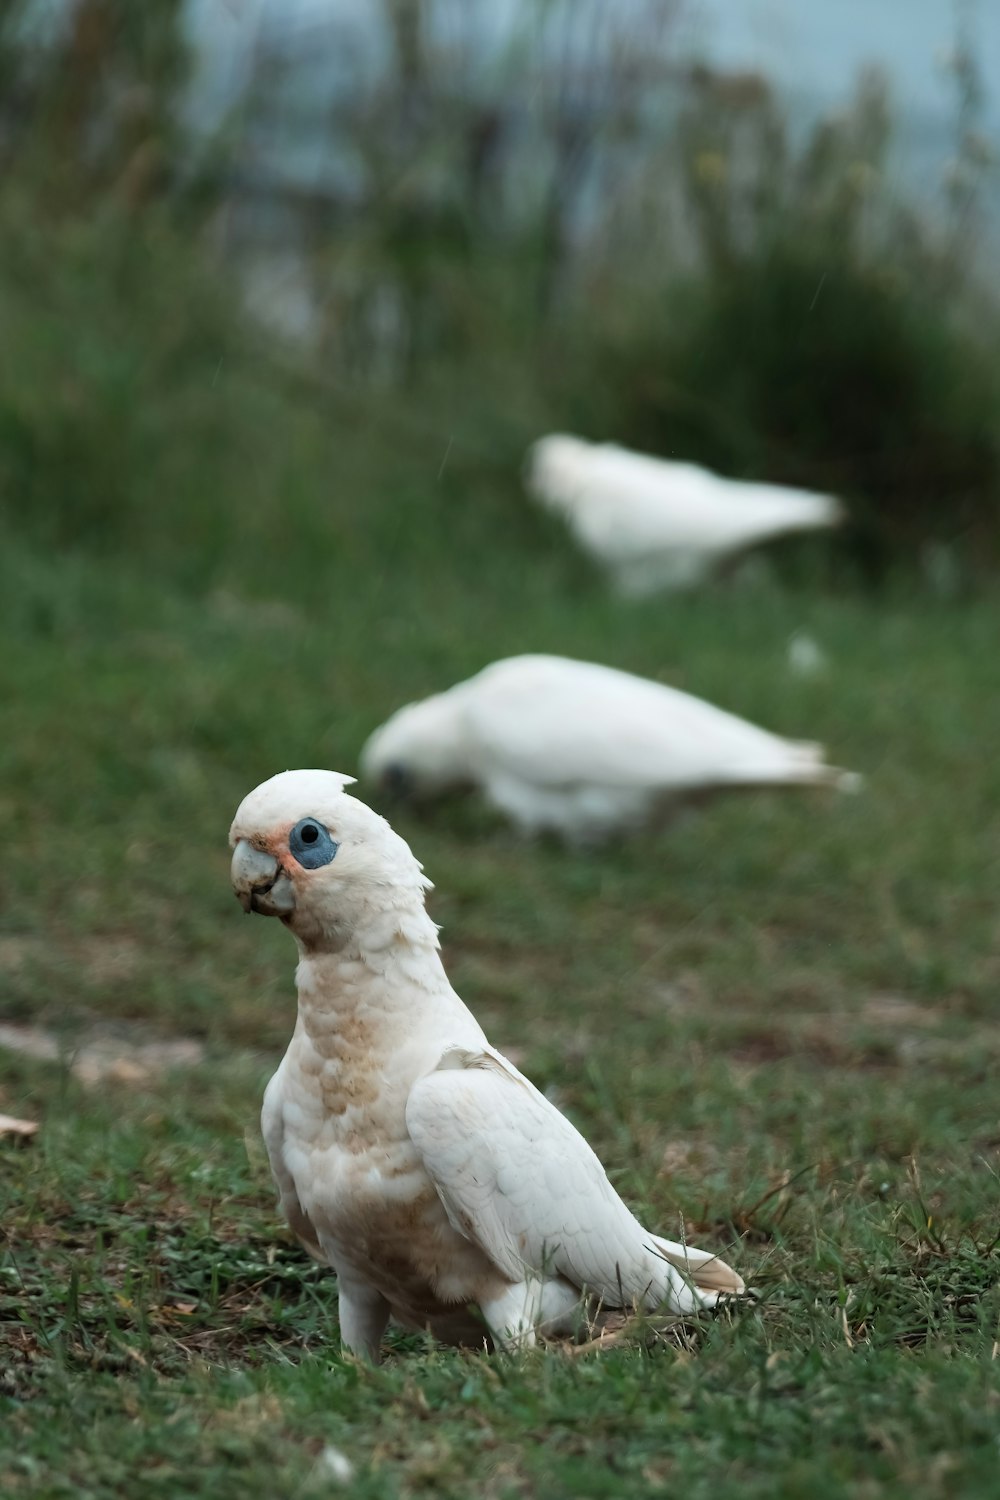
x,y
88,95
818,332
139,413
578,231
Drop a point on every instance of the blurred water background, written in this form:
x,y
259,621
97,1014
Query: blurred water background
x,y
813,53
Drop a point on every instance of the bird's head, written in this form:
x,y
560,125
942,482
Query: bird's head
x,y
556,470
418,752
306,851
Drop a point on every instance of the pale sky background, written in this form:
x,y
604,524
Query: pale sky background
x,y
816,47
813,50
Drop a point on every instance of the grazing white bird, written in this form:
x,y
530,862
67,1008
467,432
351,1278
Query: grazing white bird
x,y
582,750
658,524
408,1153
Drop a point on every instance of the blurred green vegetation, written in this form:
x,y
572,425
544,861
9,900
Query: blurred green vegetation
x,y
739,295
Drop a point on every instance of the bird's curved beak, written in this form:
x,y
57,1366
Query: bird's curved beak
x,y
260,883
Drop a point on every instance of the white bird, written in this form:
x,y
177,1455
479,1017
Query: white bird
x,y
580,749
408,1153
657,524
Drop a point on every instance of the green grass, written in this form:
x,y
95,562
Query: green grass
x,y
776,1023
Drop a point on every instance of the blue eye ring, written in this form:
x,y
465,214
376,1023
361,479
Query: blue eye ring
x,y
310,843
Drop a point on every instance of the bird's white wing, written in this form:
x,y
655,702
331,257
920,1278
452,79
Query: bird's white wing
x,y
519,1181
550,721
637,502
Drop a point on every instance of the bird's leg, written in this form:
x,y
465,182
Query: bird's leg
x,y
511,1317
364,1312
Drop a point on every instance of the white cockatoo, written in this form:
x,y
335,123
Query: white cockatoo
x,y
408,1153
580,749
658,524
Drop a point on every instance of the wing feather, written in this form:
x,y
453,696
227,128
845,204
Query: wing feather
x,y
520,1181
556,722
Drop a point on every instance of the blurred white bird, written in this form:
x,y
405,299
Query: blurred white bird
x,y
408,1153
657,524
580,749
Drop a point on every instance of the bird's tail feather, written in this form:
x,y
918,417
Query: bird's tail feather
x,y
803,764
707,1271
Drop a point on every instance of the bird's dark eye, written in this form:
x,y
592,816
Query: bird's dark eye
x,y
396,779
311,844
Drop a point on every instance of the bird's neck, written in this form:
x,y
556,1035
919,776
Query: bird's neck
x,y
383,985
